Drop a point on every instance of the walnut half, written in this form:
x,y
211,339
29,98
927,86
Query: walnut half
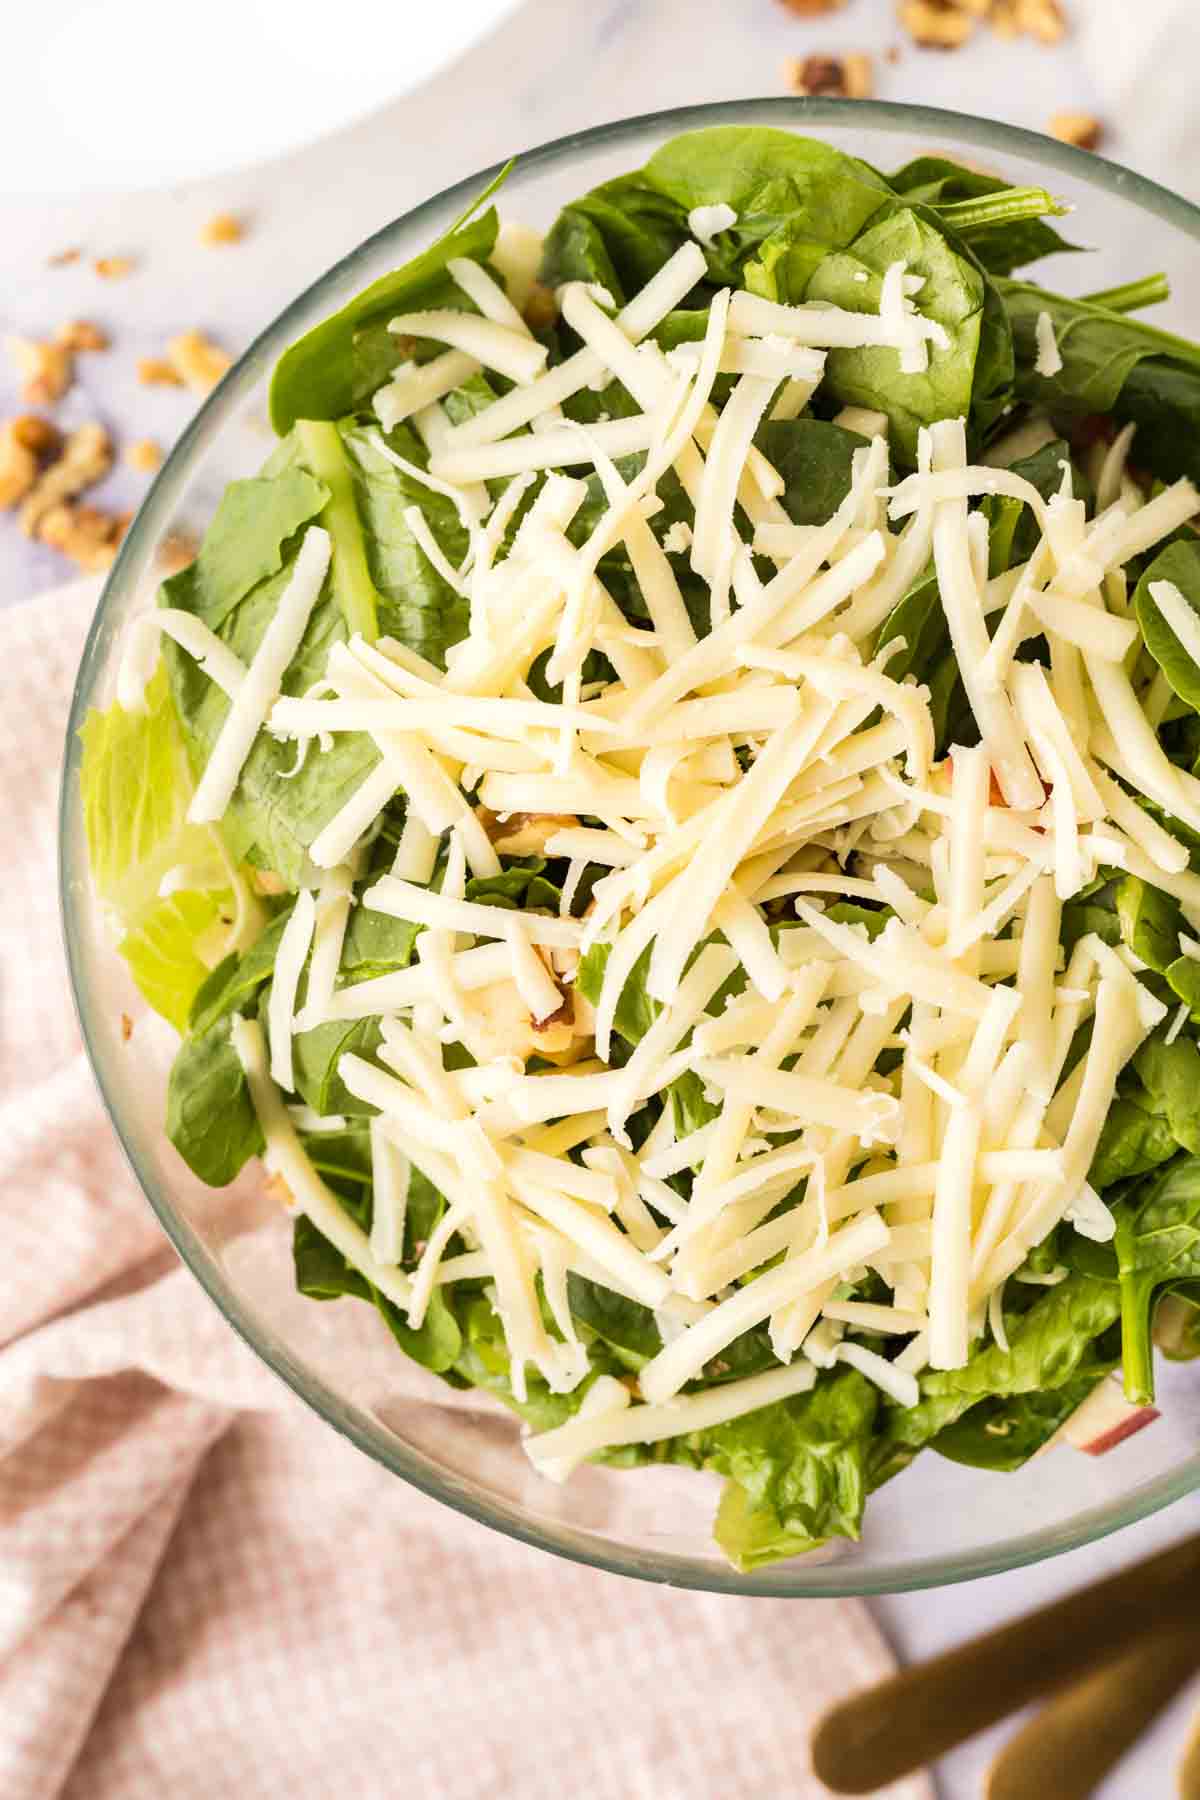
x,y
838,77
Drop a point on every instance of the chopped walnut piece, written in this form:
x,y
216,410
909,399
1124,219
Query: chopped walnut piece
x,y
1078,128
48,369
809,9
81,334
114,268
62,258
525,834
223,228
197,360
25,442
88,535
18,466
42,436
145,456
937,24
87,457
840,77
541,308
156,371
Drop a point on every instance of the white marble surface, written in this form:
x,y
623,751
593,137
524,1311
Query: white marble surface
x,y
555,66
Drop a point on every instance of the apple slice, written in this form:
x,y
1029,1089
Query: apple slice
x,y
1105,1419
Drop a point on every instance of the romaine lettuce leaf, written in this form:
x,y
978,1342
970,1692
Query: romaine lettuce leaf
x,y
135,788
161,950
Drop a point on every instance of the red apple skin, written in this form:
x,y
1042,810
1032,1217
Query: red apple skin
x,y
1116,1434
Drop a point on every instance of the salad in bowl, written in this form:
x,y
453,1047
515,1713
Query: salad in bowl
x,y
665,814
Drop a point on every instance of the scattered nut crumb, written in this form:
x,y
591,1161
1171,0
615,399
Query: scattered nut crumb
x,y
62,258
18,466
937,24
198,362
280,1192
809,9
175,552
145,456
48,369
541,308
156,371
114,268
223,228
266,881
126,1028
81,334
840,77
87,457
1078,128
1041,19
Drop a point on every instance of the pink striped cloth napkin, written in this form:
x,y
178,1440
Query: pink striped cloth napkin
x,y
204,1592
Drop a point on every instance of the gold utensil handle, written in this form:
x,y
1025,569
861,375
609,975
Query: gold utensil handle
x,y
1187,1780
920,1713
1082,1733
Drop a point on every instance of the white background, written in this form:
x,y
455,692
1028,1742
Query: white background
x,y
556,65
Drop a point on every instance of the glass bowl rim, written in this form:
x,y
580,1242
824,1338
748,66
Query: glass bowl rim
x,y
786,1580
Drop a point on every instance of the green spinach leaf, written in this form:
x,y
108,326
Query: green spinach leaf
x,y
235,981
1157,1244
954,294
323,1273
320,376
1047,1346
1005,1433
1002,237
245,543
797,1471
814,459
1179,563
795,199
210,1118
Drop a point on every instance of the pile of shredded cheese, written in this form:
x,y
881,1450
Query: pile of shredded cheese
x,y
723,784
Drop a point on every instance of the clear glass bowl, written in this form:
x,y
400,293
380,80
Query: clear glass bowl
x,y
936,1523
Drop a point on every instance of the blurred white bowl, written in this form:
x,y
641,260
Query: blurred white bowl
x,y
119,94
